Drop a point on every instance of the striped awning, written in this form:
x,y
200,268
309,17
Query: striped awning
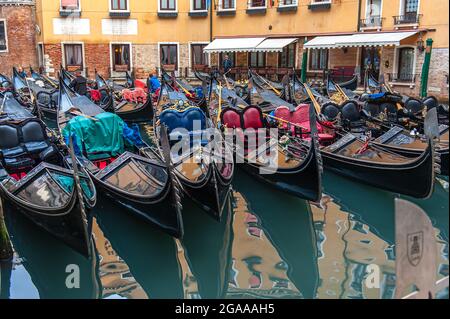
x,y
359,40
248,45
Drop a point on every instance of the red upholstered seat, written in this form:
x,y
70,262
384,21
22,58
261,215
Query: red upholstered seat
x,y
231,118
252,118
128,95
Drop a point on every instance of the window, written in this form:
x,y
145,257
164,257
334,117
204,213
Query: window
x,y
411,6
320,1
169,56
168,5
257,59
227,5
70,5
287,57
73,56
405,71
318,59
3,36
199,59
121,61
231,55
288,3
119,5
199,5
256,3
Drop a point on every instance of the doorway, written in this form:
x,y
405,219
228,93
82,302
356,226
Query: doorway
x,y
370,60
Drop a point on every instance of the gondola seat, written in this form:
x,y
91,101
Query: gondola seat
x,y
192,120
252,118
414,105
330,111
351,116
300,117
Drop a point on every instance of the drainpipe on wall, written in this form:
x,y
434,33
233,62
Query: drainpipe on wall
x,y
358,24
426,69
211,2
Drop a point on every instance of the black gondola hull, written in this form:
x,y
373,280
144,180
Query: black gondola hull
x,y
141,114
414,178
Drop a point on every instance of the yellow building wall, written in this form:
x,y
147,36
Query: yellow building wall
x,y
151,28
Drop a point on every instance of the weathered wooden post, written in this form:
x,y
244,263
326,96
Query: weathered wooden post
x,y
6,251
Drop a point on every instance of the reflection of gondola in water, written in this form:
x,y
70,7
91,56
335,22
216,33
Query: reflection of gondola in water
x,y
289,256
150,255
208,243
53,267
114,274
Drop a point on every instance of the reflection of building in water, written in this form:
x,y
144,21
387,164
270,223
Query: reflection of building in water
x,y
114,273
346,247
257,268
190,286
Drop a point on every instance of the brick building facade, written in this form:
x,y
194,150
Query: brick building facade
x,y
17,35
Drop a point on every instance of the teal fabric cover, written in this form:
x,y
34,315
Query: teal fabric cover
x,y
102,136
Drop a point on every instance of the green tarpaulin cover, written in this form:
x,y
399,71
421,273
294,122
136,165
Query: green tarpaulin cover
x,y
102,136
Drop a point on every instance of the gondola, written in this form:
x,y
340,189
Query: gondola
x,y
351,84
5,83
293,166
265,83
37,178
350,155
129,106
23,91
205,167
267,100
182,86
123,167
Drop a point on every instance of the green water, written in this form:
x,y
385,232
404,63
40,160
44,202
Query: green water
x,y
269,244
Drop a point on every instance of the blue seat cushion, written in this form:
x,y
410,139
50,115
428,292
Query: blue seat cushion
x,y
13,152
16,163
36,147
191,119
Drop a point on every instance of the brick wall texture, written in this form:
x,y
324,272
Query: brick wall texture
x,y
20,25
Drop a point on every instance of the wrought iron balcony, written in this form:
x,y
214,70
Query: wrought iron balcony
x,y
402,77
409,18
372,22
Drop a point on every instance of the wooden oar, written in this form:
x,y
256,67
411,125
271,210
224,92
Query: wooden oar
x,y
312,98
6,251
78,113
265,81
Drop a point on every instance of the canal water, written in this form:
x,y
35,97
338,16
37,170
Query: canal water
x,y
268,245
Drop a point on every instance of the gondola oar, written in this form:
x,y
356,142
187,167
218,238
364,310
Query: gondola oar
x,y
6,251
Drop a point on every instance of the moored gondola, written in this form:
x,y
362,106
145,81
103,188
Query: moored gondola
x,y
120,163
286,162
351,84
205,167
22,91
36,178
351,156
132,105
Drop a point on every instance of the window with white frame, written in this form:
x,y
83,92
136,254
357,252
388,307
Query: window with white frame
x,y
373,8
119,5
121,57
70,5
169,56
318,59
405,64
198,5
3,36
227,5
199,59
73,56
256,4
167,5
410,6
320,1
288,3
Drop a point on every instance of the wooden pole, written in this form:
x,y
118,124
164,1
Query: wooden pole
x,y
6,251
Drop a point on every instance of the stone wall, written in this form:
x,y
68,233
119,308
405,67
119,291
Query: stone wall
x,y
97,57
52,58
340,57
21,37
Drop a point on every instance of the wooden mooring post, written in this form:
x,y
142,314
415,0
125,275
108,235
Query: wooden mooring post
x,y
6,251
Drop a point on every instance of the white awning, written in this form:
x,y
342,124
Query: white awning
x,y
233,45
359,40
274,45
